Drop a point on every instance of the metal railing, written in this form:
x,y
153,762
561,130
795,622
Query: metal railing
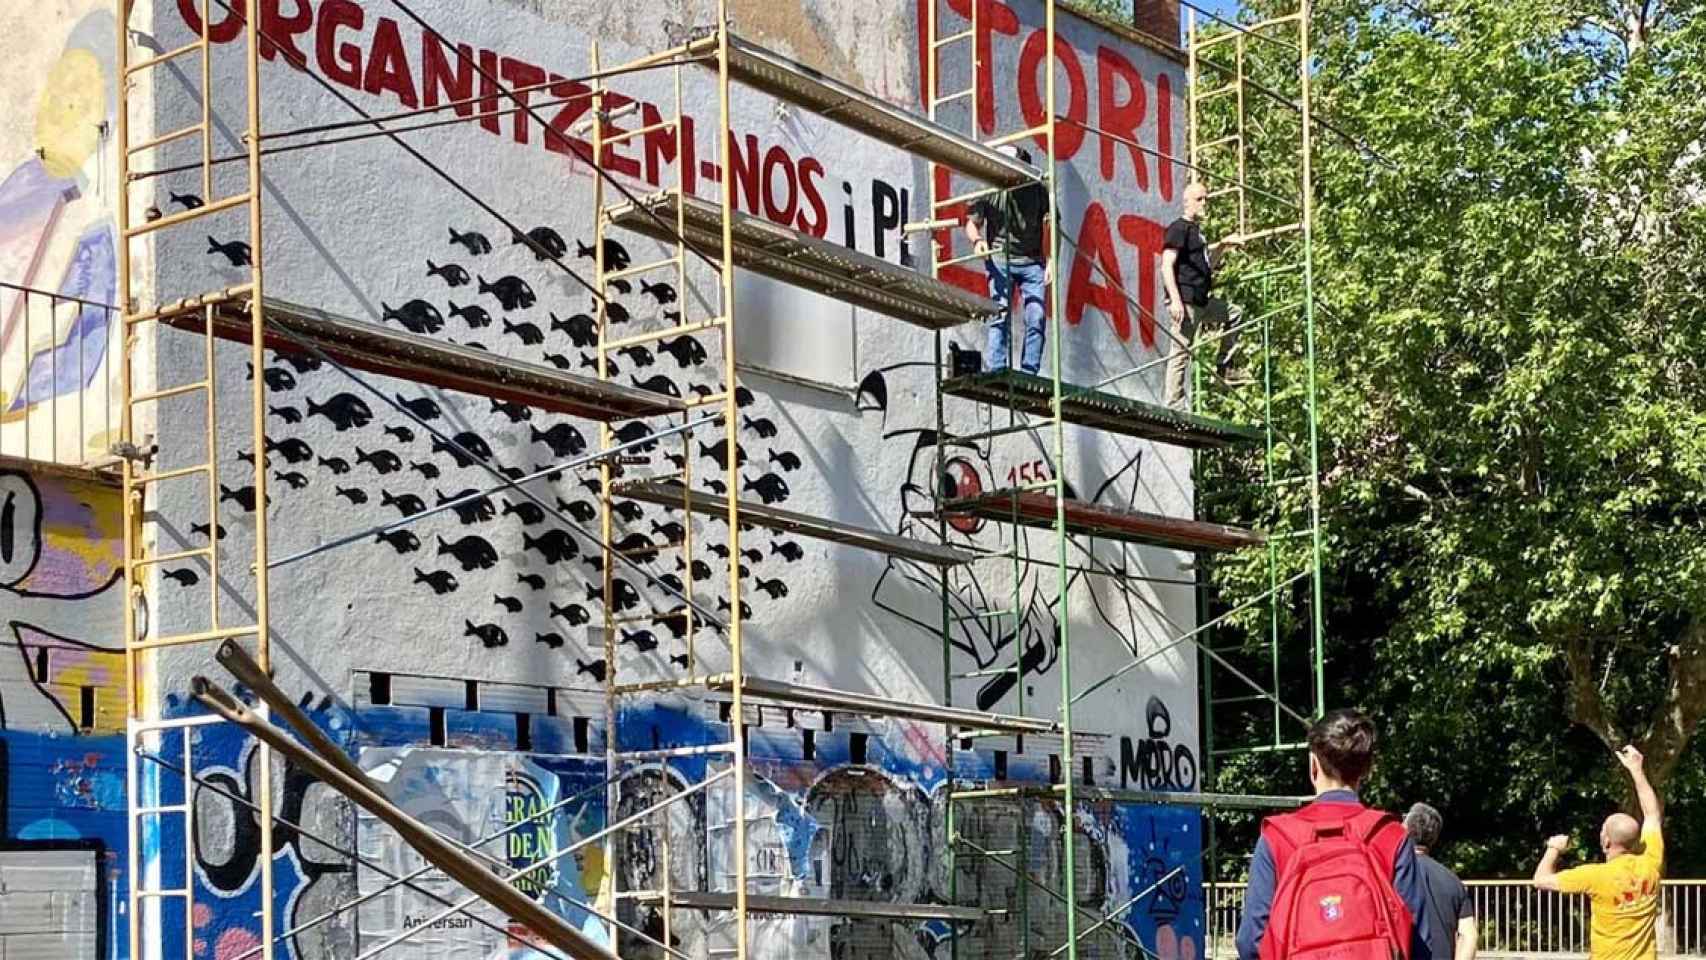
x,y
1516,920
58,397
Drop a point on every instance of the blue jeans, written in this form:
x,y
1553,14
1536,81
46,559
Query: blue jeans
x,y
1027,275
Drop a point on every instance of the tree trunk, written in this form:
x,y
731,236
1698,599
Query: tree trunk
x,y
1672,721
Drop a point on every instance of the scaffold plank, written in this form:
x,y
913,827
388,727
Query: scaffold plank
x,y
847,701
771,73
1037,509
1083,793
671,493
368,346
816,906
792,257
1029,393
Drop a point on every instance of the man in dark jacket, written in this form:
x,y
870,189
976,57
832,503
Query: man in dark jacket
x,y
1008,228
1451,910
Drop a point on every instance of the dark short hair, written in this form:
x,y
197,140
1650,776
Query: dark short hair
x,y
1343,743
1423,823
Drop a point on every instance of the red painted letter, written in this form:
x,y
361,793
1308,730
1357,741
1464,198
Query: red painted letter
x,y
1119,119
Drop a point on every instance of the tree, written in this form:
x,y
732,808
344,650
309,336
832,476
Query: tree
x,y
1512,283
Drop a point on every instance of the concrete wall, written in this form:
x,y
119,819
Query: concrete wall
x,y
444,675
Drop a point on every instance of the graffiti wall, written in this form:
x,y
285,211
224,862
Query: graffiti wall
x,y
57,233
399,639
62,825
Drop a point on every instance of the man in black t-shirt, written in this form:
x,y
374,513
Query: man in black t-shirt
x,y
1008,227
1451,911
1187,268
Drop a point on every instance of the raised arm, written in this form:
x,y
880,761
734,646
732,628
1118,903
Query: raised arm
x,y
1546,872
1644,793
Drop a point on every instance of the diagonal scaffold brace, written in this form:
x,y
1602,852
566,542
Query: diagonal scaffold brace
x,y
323,760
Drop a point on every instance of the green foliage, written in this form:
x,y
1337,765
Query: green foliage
x,y
1511,342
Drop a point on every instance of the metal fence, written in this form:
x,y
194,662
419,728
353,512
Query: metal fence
x,y
58,380
1516,920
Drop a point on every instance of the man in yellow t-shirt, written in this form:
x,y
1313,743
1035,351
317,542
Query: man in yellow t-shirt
x,y
1624,889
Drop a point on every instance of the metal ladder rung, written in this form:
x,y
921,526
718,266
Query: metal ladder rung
x,y
697,326
155,811
169,55
177,391
185,216
708,400
990,672
999,432
985,614
1007,138
148,478
959,198
950,98
664,753
642,268
181,639
1235,138
952,37
1215,92
1224,192
166,138
622,135
160,894
172,557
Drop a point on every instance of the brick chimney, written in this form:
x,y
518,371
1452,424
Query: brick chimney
x,y
1158,18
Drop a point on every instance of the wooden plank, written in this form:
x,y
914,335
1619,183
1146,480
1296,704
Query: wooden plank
x,y
1037,509
818,907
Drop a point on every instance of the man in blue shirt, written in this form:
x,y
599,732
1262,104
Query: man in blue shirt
x,y
1341,751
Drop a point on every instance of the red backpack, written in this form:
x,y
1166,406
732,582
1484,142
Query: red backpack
x,y
1335,899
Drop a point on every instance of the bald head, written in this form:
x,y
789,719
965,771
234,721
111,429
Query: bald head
x,y
1196,200
1621,833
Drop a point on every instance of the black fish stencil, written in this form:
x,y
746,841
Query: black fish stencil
x,y
573,612
595,669
615,255
658,384
474,315
441,581
294,450
637,353
295,480
407,504
473,552
242,496
402,433
546,243
662,292
452,274
770,488
204,529
188,201
628,510
563,439
764,427
621,286
686,351
382,461
580,510
426,470
775,588
554,545
512,292
236,252
353,495
184,577
343,411
424,407
581,328
416,316
553,640
787,460
400,540
516,412
611,367
527,333
641,640
528,512
634,431
474,511
289,415
468,440
559,361
787,550
533,580
473,241
490,634
719,452
338,465
508,603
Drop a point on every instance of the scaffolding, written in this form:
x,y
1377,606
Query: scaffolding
x,y
714,236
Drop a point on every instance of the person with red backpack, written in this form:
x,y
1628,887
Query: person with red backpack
x,y
1335,880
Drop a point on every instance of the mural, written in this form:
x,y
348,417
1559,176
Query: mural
x,y
506,593
57,236
62,700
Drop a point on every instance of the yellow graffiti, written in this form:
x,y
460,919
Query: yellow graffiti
x,y
96,538
73,104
